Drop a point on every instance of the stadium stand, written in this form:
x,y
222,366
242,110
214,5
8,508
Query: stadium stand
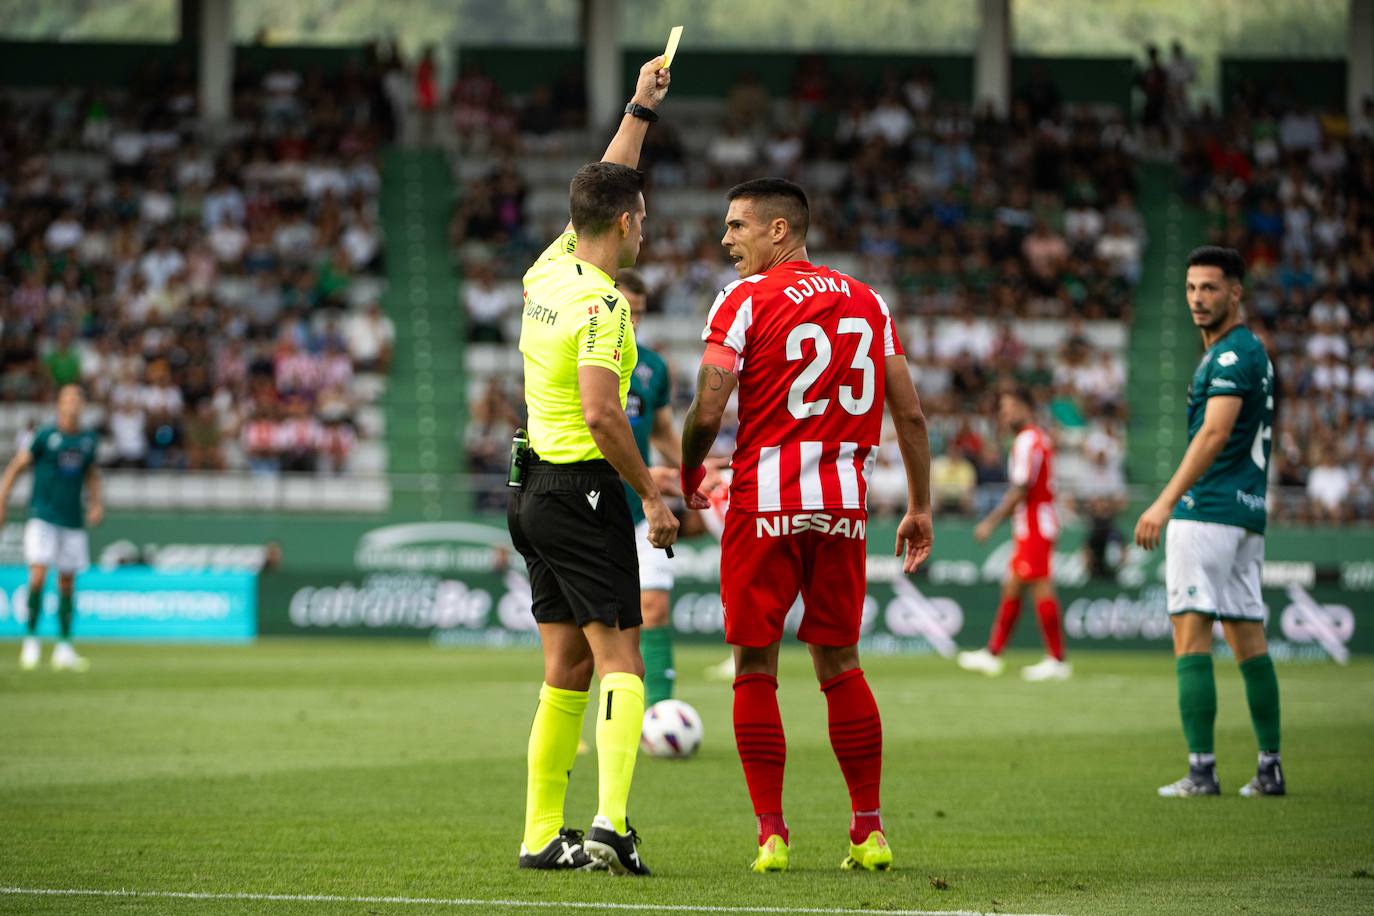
x,y
222,309
1010,250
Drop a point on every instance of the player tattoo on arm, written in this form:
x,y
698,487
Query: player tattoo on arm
x,y
699,430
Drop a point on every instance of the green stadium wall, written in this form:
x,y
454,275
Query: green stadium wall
x,y
457,581
31,64
711,73
1320,83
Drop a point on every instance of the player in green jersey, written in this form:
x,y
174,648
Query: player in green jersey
x,y
649,408
64,468
1213,508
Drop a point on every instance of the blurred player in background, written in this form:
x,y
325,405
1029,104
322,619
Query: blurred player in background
x,y
64,471
1029,501
568,516
815,356
1213,508
649,407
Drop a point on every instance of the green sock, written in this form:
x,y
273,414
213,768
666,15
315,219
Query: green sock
x,y
65,611
1197,701
553,748
35,610
619,722
656,645
1262,693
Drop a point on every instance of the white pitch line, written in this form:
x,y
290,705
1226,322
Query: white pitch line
x,y
471,901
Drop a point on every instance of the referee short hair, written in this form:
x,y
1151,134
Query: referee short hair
x,y
1228,259
776,197
600,192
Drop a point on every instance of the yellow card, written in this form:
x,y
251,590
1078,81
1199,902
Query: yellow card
x,y
673,38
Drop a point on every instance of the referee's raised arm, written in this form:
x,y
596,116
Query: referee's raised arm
x,y
642,110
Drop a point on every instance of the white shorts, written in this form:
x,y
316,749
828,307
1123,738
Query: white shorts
x,y
1213,569
46,544
655,569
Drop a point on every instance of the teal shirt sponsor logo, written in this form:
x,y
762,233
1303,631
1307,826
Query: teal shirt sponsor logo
x,y
1232,490
60,463
651,389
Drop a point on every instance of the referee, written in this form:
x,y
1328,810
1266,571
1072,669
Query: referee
x,y
568,515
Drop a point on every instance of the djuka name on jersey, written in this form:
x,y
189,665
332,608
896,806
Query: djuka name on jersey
x,y
810,286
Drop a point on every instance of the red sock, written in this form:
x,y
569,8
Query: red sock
x,y
856,734
762,748
1007,612
862,823
770,824
1048,612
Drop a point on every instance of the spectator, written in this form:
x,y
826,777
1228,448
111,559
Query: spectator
x,y
952,481
1328,487
204,438
486,304
261,441
369,337
128,430
1182,73
1105,545
63,361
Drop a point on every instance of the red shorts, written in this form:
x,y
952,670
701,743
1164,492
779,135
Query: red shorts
x,y
768,558
1030,560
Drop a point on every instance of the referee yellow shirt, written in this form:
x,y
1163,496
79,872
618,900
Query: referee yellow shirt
x,y
573,316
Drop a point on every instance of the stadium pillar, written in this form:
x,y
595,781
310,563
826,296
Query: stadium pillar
x,y
1359,64
992,57
601,38
216,65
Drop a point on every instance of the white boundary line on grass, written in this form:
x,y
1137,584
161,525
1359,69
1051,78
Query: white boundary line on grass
x,y
473,902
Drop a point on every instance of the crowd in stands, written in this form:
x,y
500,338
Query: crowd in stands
x,y
1293,190
218,302
969,223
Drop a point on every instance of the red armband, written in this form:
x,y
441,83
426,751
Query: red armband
x,y
720,356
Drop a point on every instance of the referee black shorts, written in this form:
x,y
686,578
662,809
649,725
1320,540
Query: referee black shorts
x,y
571,523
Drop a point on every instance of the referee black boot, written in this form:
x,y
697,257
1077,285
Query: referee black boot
x,y
562,853
615,850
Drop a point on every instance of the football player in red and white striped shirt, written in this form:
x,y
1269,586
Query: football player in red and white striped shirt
x,y
815,357
1035,526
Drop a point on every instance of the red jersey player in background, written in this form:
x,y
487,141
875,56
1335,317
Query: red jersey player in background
x,y
1030,502
815,356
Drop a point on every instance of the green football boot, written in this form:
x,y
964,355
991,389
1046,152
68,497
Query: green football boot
x,y
772,856
873,854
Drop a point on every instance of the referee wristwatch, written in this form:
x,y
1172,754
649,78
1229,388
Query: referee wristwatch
x,y
639,111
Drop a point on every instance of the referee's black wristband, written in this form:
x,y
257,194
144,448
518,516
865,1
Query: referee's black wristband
x,y
639,111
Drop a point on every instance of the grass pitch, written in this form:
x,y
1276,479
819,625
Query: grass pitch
x,y
368,770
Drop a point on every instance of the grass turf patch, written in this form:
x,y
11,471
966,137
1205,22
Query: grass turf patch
x,y
369,769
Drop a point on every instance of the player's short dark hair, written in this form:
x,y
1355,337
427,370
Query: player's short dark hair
x,y
776,197
1228,259
1021,393
600,192
631,281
